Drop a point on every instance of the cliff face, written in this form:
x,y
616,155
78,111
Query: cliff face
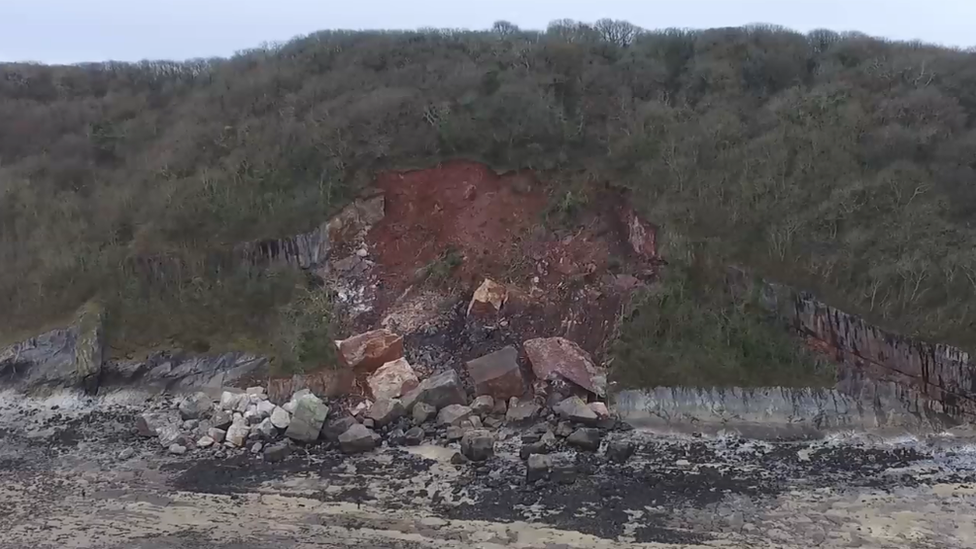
x,y
942,373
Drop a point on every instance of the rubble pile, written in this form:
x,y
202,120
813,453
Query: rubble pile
x,y
560,412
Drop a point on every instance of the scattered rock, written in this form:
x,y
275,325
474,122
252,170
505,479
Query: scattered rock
x,y
237,433
256,391
337,426
557,356
127,453
191,424
497,374
256,449
251,416
619,451
453,414
475,421
169,435
385,412
586,438
307,419
600,409
177,449
216,434
455,432
267,430
439,390
478,445
357,439
395,437
368,351
564,429
414,436
500,408
276,452
458,459
537,467
369,423
205,442
493,422
483,405
423,412
488,299
222,419
574,409
280,418
149,424
231,401
265,408
392,380
520,411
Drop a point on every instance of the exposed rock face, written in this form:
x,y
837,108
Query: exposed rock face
x,y
46,361
574,409
195,406
307,420
392,380
178,372
556,356
439,390
497,374
384,412
89,350
358,438
368,351
453,414
478,445
641,235
488,299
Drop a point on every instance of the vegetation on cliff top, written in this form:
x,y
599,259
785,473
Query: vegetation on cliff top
x,y
836,162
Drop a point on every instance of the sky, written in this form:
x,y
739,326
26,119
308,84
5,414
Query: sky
x,y
70,31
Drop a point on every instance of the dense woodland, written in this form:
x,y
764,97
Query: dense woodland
x,y
839,163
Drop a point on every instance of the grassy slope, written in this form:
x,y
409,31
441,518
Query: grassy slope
x,y
843,164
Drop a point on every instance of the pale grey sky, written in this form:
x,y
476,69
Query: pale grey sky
x,y
67,31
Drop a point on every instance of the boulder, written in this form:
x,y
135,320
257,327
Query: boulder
x,y
251,416
439,390
483,405
276,452
177,449
478,445
459,459
456,432
488,300
357,439
561,358
205,442
384,412
453,414
500,408
237,432
368,351
574,409
392,380
231,401
306,422
169,435
256,449
600,409
422,412
537,467
586,438
619,451
256,391
267,430
336,426
222,419
149,424
195,406
280,418
216,434
414,436
497,374
520,411
265,408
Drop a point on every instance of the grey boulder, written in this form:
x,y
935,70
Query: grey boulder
x,y
358,439
195,406
307,419
478,445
